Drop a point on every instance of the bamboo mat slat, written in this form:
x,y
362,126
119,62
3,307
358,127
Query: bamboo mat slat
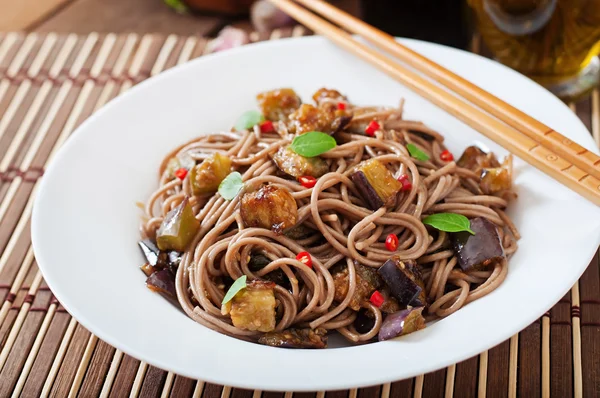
x,y
49,84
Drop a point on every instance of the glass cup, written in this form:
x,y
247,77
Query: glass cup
x,y
554,42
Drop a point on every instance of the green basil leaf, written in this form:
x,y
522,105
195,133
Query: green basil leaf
x,y
248,120
449,222
231,185
417,153
312,144
239,284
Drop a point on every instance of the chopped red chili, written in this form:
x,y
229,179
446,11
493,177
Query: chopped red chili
x,y
181,173
391,242
406,184
341,106
305,258
446,156
267,126
372,128
377,299
307,181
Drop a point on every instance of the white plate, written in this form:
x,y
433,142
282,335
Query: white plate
x,y
85,223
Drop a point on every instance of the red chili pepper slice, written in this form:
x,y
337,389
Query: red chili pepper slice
x,y
267,127
377,299
341,106
372,128
391,242
406,184
305,258
307,181
446,156
181,173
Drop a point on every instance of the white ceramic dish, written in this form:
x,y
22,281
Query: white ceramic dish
x,y
85,223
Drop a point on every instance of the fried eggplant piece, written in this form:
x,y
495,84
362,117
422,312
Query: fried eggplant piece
x,y
473,158
270,207
479,250
497,179
402,323
295,165
163,282
207,176
278,104
253,308
390,304
494,177
178,228
296,338
405,281
376,184
326,119
367,281
325,93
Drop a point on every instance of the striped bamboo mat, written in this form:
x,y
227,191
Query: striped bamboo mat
x,y
51,83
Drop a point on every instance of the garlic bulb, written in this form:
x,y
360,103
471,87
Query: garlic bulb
x,y
266,17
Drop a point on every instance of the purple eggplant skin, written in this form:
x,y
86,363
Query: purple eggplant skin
x,y
162,281
405,281
402,323
367,191
479,250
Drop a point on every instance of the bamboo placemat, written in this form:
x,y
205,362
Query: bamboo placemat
x,y
51,83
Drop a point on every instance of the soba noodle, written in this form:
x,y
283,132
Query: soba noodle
x,y
342,229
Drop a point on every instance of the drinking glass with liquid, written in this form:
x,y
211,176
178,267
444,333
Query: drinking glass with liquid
x,y
555,42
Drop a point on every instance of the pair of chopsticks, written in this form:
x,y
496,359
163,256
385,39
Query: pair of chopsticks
x,y
537,144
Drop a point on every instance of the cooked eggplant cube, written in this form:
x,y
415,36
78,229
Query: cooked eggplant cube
x,y
390,304
295,165
326,118
325,93
402,323
178,228
296,338
253,308
497,179
479,250
404,280
475,159
270,207
366,190
207,176
376,184
278,104
367,281
162,281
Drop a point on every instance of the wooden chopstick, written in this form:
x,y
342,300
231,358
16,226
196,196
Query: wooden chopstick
x,y
521,145
542,134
